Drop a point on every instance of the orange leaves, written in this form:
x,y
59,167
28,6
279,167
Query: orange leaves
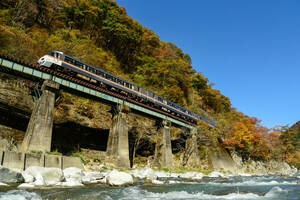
x,y
245,133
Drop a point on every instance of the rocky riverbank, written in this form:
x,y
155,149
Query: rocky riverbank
x,y
40,177
262,167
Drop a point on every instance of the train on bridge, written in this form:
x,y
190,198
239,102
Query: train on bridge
x,y
71,66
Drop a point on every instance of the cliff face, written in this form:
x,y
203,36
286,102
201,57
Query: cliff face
x,y
16,105
262,167
14,92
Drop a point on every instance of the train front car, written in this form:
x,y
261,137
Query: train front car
x,y
50,60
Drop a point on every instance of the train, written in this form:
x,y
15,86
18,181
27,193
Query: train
x,y
64,63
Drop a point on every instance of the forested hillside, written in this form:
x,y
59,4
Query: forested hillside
x,y
100,33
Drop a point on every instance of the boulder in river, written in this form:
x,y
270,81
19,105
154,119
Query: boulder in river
x,y
9,176
92,177
73,175
44,176
26,185
192,175
116,178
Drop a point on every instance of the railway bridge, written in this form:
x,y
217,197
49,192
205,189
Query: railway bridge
x,y
38,134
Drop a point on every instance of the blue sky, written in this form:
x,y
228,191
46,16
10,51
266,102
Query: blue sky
x,y
250,49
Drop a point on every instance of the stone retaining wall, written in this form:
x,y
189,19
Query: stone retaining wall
x,y
21,161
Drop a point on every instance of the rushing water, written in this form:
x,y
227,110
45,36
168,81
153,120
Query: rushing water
x,y
255,187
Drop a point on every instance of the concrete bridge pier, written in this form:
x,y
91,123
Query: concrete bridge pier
x,y
117,152
163,157
191,153
39,130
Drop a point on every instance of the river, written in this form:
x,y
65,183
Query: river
x,y
246,187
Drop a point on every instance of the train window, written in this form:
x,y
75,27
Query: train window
x,y
143,91
150,94
68,59
79,64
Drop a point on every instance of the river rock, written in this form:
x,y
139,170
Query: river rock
x,y
28,178
103,181
191,175
116,178
9,176
3,184
26,185
92,177
69,184
44,176
73,175
245,174
143,173
216,175
161,174
174,175
157,182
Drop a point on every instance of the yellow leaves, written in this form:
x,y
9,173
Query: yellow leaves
x,y
244,133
